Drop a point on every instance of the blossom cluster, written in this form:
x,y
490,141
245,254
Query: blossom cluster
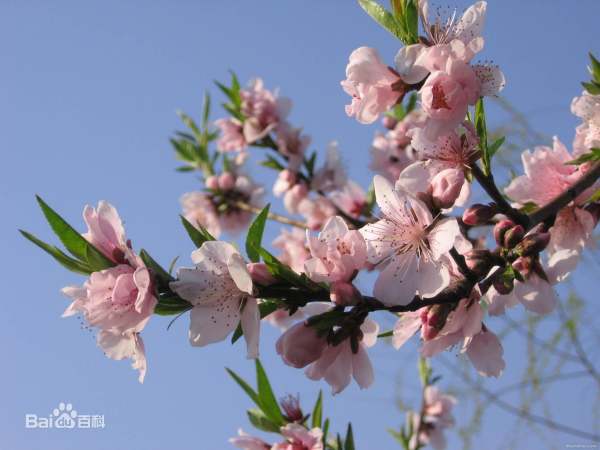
x,y
414,232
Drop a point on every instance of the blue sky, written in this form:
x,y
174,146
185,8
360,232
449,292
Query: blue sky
x,y
87,103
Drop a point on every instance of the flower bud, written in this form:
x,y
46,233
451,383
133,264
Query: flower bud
x,y
291,408
504,285
285,181
389,122
479,261
294,196
344,294
513,236
446,187
260,274
500,230
532,244
479,214
300,345
434,320
226,181
212,183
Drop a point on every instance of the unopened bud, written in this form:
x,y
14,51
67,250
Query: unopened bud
x,y
479,214
479,261
389,122
260,274
504,285
212,183
446,187
226,181
500,230
513,236
435,320
532,244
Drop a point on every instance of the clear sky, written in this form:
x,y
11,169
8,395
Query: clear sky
x,y
88,95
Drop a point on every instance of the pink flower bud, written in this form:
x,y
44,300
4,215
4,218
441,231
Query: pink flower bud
x,y
446,187
226,181
513,236
260,273
533,243
300,345
344,294
479,214
389,122
285,181
500,230
294,196
212,183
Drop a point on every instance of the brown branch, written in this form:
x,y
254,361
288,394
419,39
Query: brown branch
x,y
488,184
276,217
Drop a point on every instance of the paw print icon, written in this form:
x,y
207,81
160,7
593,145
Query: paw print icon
x,y
64,416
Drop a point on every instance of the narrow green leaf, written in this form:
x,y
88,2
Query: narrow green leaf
x,y
268,402
325,432
74,242
259,420
496,146
317,414
383,17
349,442
592,155
66,261
162,277
245,386
386,334
171,304
594,68
205,110
255,235
481,127
198,236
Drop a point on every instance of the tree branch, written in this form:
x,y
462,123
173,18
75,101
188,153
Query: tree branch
x,y
276,217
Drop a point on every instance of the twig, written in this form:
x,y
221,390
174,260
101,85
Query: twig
x,y
520,412
276,217
488,184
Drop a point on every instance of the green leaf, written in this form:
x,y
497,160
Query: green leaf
x,y
162,277
266,397
594,68
205,110
171,305
66,261
255,234
592,155
481,128
272,163
317,414
198,236
382,17
265,308
245,386
325,431
259,420
595,197
386,334
412,103
592,87
411,22
74,242
492,149
349,442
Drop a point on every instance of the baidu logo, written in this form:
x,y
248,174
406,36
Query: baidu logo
x,y
64,417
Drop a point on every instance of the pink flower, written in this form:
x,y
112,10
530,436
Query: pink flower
x,y
285,181
232,137
294,196
392,153
546,177
281,318
118,300
299,438
316,211
409,245
332,175
220,290
338,364
587,107
437,417
351,199
446,95
105,231
446,187
292,144
235,220
338,253
125,345
247,442
199,210
370,83
263,110
292,244
446,37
